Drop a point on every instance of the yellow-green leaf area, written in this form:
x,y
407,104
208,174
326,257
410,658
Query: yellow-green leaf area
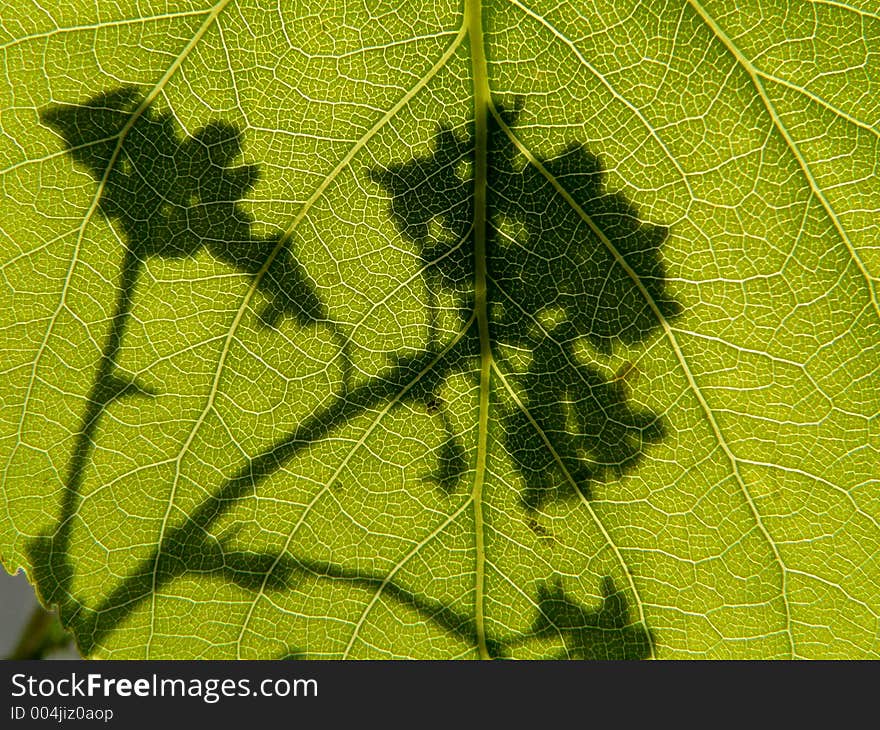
x,y
474,330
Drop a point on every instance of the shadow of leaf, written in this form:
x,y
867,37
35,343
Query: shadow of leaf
x,y
173,195
560,250
606,633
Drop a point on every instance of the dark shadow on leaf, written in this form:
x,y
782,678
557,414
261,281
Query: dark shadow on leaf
x,y
576,425
606,633
451,464
173,195
424,370
170,196
603,634
549,258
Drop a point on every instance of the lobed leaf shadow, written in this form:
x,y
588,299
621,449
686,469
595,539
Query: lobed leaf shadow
x,y
172,196
606,633
548,260
554,281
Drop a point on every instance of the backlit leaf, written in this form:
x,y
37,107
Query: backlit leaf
x,y
458,330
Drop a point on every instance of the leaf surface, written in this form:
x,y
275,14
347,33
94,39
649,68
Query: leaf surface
x,y
540,330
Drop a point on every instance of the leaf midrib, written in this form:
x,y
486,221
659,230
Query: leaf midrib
x,y
473,21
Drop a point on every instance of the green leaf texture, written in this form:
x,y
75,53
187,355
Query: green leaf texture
x,y
453,330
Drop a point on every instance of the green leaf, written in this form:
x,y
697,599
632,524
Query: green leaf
x,y
526,330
